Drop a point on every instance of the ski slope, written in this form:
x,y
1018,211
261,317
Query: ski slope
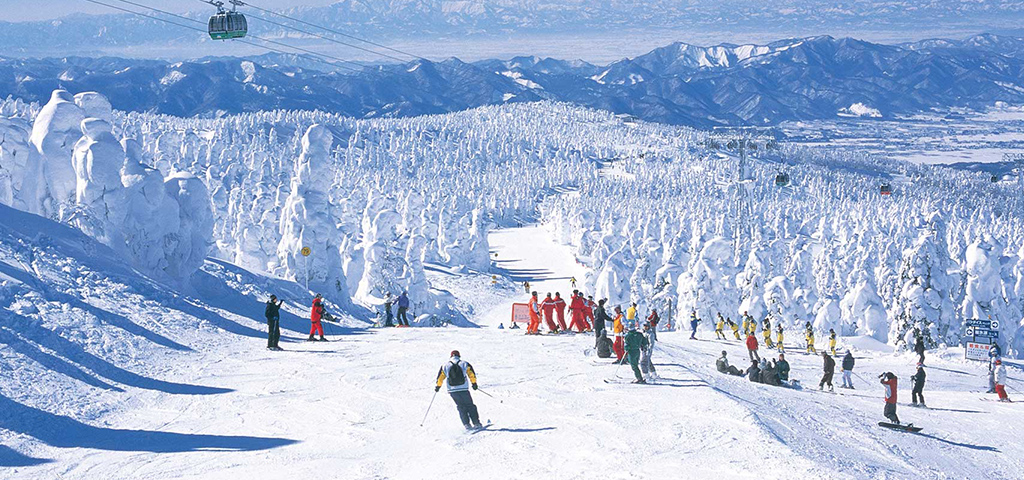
x,y
184,388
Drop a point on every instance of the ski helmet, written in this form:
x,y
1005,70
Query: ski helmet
x,y
455,353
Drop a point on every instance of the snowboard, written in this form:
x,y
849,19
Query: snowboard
x,y
905,428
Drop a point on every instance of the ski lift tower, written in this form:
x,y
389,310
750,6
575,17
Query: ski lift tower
x,y
739,185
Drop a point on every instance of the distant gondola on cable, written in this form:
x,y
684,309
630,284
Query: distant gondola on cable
x,y
782,179
227,24
885,189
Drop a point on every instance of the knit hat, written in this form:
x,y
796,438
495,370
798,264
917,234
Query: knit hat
x,y
455,353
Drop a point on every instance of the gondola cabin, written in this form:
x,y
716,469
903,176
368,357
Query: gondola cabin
x,y
886,189
781,180
225,25
996,178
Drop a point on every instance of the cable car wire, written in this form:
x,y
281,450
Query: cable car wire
x,y
316,55
353,37
329,39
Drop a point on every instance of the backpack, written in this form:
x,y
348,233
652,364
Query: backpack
x,y
456,376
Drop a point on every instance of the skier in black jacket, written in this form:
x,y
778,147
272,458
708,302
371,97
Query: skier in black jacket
x,y
830,369
600,317
273,314
918,383
848,370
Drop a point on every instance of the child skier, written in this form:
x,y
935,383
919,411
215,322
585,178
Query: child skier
x,y
457,372
746,325
735,329
832,341
889,380
1001,381
635,342
646,362
767,332
779,342
719,327
693,324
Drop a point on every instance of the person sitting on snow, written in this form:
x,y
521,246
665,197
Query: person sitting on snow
x,y
754,372
782,367
604,345
722,364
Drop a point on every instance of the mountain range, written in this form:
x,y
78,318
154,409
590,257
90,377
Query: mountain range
x,y
794,79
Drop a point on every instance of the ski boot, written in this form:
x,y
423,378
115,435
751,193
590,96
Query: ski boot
x,y
311,338
322,339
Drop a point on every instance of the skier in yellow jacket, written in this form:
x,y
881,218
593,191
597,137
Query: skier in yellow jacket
x,y
460,377
719,328
766,330
832,341
779,337
809,335
735,329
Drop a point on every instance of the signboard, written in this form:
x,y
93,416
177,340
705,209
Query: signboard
x,y
974,322
520,313
305,251
981,332
977,351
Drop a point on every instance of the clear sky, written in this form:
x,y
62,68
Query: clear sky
x,y
21,10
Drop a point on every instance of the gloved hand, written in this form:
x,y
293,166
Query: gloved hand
x,y
437,389
474,386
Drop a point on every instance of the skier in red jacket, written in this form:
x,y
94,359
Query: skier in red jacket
x,y
588,312
577,308
560,311
314,316
889,380
534,327
548,306
752,348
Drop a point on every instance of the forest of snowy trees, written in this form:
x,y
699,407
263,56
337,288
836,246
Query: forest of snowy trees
x,y
665,216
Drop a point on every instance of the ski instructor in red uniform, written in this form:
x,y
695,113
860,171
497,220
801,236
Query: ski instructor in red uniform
x,y
314,317
577,308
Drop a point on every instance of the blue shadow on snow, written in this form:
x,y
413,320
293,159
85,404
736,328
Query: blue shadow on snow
x,y
10,457
65,432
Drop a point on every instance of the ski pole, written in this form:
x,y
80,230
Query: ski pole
x,y
428,408
489,395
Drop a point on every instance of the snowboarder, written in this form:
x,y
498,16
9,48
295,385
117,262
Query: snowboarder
x,y
315,314
653,320
754,372
693,324
890,381
829,369
646,361
548,306
832,341
403,307
809,334
604,345
783,368
752,347
719,327
273,314
601,318
1001,381
722,364
735,329
388,316
635,342
919,348
917,393
848,362
619,331
766,331
460,376
534,307
576,312
560,312
779,339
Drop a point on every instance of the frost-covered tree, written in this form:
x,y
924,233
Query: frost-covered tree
x,y
924,305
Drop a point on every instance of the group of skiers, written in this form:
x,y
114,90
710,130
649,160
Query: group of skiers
x,y
552,309
749,329
402,302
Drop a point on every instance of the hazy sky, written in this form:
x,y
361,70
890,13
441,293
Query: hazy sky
x,y
21,10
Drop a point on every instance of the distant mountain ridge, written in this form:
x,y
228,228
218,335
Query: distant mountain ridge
x,y
793,79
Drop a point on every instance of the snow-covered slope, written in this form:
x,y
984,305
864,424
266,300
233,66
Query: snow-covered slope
x,y
108,375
